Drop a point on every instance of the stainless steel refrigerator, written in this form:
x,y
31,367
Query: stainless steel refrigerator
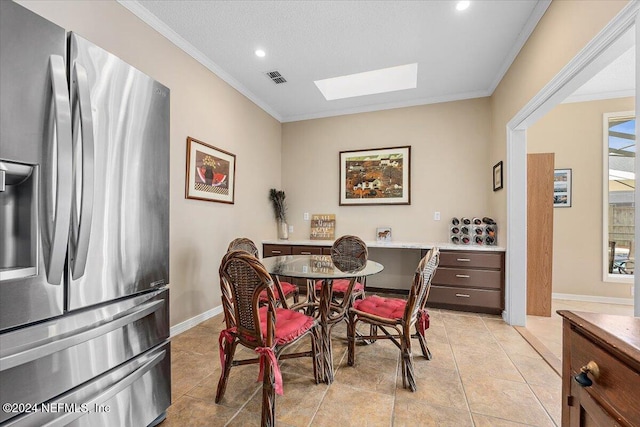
x,y
84,232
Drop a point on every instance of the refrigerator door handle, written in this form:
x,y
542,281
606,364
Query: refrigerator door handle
x,y
97,401
56,215
41,350
83,173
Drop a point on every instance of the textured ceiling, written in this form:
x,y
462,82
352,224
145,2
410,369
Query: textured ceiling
x,y
460,55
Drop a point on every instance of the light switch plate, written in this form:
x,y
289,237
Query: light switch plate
x,y
436,216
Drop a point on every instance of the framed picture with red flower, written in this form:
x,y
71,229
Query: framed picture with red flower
x,y
211,173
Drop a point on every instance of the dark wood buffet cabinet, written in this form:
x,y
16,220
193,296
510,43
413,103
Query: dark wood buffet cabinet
x,y
600,370
466,280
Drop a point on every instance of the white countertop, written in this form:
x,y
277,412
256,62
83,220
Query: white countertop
x,y
393,244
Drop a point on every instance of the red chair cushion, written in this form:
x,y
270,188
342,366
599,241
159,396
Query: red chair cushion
x,y
289,324
389,308
340,286
287,288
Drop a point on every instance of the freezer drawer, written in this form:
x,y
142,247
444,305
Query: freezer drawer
x,y
131,395
48,359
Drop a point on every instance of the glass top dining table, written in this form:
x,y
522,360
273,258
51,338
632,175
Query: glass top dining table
x,y
316,267
329,311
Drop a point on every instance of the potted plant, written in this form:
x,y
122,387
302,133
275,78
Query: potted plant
x,y
280,212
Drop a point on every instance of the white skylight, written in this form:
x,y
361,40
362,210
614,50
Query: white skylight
x,y
370,82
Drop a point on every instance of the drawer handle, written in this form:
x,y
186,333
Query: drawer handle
x,y
305,253
582,377
464,259
276,252
463,276
463,295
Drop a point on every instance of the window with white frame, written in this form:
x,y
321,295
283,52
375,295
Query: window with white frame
x,y
619,189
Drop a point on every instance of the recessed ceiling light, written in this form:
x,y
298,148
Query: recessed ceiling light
x,y
260,53
370,82
462,5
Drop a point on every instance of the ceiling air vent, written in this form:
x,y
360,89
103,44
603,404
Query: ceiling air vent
x,y
276,77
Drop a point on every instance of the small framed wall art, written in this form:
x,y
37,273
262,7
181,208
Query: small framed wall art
x,y
379,176
210,173
562,188
497,176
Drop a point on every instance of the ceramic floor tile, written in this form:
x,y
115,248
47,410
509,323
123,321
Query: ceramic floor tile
x,y
344,405
370,372
472,362
535,370
550,395
486,421
466,382
192,412
436,386
508,400
187,370
297,405
241,385
411,413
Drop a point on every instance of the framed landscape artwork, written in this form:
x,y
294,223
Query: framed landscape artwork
x,y
379,176
210,173
562,188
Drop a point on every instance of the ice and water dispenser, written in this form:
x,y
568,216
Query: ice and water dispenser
x,y
18,220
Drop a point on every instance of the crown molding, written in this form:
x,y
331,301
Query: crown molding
x,y
600,96
386,106
135,7
534,18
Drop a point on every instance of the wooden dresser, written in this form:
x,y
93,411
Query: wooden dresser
x,y
608,347
469,281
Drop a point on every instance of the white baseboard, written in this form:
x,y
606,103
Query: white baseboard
x,y
593,298
194,321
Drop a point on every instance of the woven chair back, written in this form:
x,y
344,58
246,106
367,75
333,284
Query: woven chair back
x,y
242,278
422,283
243,244
349,253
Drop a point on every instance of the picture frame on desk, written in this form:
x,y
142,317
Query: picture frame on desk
x,y
383,234
210,173
379,176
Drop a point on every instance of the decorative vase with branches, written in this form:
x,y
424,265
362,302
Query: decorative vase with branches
x,y
277,198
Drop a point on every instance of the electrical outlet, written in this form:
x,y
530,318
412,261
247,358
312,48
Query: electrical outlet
x,y
305,216
291,229
436,216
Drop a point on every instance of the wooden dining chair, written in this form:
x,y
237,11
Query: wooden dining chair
x,y
348,253
288,289
267,329
394,318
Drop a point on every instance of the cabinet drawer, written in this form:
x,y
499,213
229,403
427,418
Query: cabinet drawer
x,y
465,297
275,250
471,259
306,250
616,387
468,278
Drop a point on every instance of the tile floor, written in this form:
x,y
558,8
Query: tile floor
x,y
548,330
483,373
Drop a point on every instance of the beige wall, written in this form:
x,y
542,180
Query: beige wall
x,y
564,30
203,107
574,133
448,142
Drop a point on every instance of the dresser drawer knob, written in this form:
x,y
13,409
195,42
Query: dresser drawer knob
x,y
464,260
463,295
463,276
582,377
